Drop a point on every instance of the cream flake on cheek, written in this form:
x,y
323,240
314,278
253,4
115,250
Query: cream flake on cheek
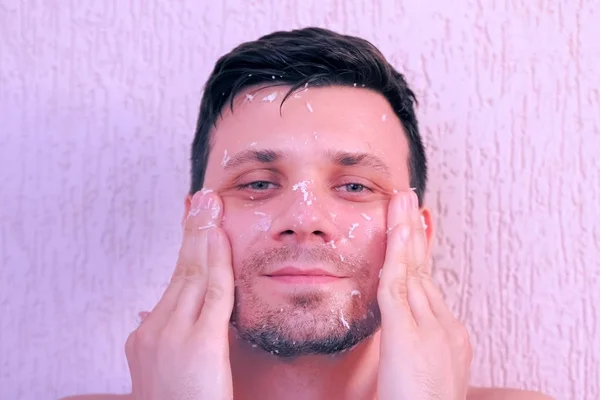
x,y
365,216
264,223
383,117
309,107
351,231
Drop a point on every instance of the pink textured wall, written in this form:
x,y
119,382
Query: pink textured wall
x,y
98,101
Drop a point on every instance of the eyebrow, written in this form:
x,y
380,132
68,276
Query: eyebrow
x,y
358,159
340,158
253,156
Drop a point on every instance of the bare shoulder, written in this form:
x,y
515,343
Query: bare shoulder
x,y
504,394
99,397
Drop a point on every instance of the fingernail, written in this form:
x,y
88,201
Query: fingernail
x,y
201,201
403,203
408,201
414,200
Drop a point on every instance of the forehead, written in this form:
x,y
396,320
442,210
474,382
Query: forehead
x,y
311,122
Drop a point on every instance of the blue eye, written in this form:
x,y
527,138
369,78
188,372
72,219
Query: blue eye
x,y
258,185
353,187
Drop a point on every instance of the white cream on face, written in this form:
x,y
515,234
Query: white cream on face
x,y
343,320
261,124
264,223
270,98
308,197
225,159
352,228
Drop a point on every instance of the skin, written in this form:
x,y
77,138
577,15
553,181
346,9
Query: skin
x,y
364,214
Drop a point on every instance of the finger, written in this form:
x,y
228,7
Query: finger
x,y
420,305
438,305
133,362
205,212
205,215
404,210
398,210
392,294
398,253
161,312
219,297
418,234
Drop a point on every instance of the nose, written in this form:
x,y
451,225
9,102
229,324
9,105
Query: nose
x,y
304,217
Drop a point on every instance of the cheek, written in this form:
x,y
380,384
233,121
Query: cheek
x,y
244,228
362,227
375,248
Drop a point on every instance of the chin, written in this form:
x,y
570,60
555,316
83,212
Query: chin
x,y
305,324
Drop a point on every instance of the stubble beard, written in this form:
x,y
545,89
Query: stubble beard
x,y
308,323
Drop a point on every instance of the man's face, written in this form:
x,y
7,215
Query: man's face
x,y
305,194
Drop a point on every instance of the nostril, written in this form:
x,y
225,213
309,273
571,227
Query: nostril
x,y
288,232
319,233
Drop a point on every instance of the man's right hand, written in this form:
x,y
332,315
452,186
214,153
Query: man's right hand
x,y
181,349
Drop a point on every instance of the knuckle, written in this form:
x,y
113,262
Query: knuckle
x,y
394,294
143,339
187,268
398,288
461,337
214,293
130,344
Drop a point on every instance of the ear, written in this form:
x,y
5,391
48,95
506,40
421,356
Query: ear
x,y
187,204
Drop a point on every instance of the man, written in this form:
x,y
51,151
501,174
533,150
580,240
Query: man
x,y
313,173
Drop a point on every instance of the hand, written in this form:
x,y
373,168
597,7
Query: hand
x,y
425,352
181,348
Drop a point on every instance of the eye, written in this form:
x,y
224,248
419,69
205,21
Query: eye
x,y
353,187
258,186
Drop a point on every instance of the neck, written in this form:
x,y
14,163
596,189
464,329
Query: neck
x,y
348,375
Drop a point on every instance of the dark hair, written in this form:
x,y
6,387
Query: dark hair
x,y
310,56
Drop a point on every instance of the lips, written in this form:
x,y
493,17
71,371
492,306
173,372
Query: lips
x,y
303,276
294,271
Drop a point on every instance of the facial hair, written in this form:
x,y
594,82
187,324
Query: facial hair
x,y
305,325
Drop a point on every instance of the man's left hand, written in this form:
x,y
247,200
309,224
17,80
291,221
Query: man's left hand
x,y
425,352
